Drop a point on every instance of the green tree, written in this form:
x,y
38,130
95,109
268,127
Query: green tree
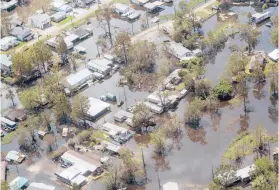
x,y
202,88
272,74
258,74
274,32
265,177
80,108
172,127
194,111
113,180
131,166
61,47
45,120
5,185
223,90
190,82
75,187
122,44
105,14
62,107
22,63
158,139
33,123
11,95
32,98
50,140
265,6
5,24
142,116
40,53
249,35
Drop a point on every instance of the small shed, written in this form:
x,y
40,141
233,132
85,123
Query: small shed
x,y
22,33
245,173
121,8
19,183
274,55
6,64
40,21
57,17
102,66
14,156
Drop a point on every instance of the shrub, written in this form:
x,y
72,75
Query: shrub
x,y
223,91
183,72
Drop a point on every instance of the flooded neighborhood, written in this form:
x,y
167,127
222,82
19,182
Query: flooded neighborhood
x,y
139,94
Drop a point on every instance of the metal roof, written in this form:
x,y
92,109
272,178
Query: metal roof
x,y
75,78
58,14
6,60
70,172
81,162
245,172
40,186
40,17
178,49
96,106
274,55
123,113
18,183
153,5
19,30
71,38
121,7
111,127
78,180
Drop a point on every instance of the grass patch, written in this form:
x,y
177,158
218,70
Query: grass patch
x,y
100,135
203,14
21,44
121,1
180,87
166,17
7,139
68,19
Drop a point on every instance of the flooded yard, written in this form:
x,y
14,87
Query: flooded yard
x,y
190,163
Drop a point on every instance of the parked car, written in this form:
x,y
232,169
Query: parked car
x,y
120,103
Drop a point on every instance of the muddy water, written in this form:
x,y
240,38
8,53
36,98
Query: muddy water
x,y
202,148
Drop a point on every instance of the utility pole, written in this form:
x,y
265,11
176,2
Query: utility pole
x,y
159,183
144,165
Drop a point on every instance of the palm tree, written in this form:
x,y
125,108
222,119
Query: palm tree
x,y
11,95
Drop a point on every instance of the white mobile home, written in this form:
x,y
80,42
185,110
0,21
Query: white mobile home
x,y
102,66
154,6
154,107
75,80
22,34
97,108
121,8
259,17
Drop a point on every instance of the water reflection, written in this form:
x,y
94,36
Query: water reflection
x,y
258,91
196,135
273,110
161,163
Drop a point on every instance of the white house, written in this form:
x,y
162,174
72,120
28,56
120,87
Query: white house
x,y
75,80
8,42
100,65
82,3
121,8
40,21
22,33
